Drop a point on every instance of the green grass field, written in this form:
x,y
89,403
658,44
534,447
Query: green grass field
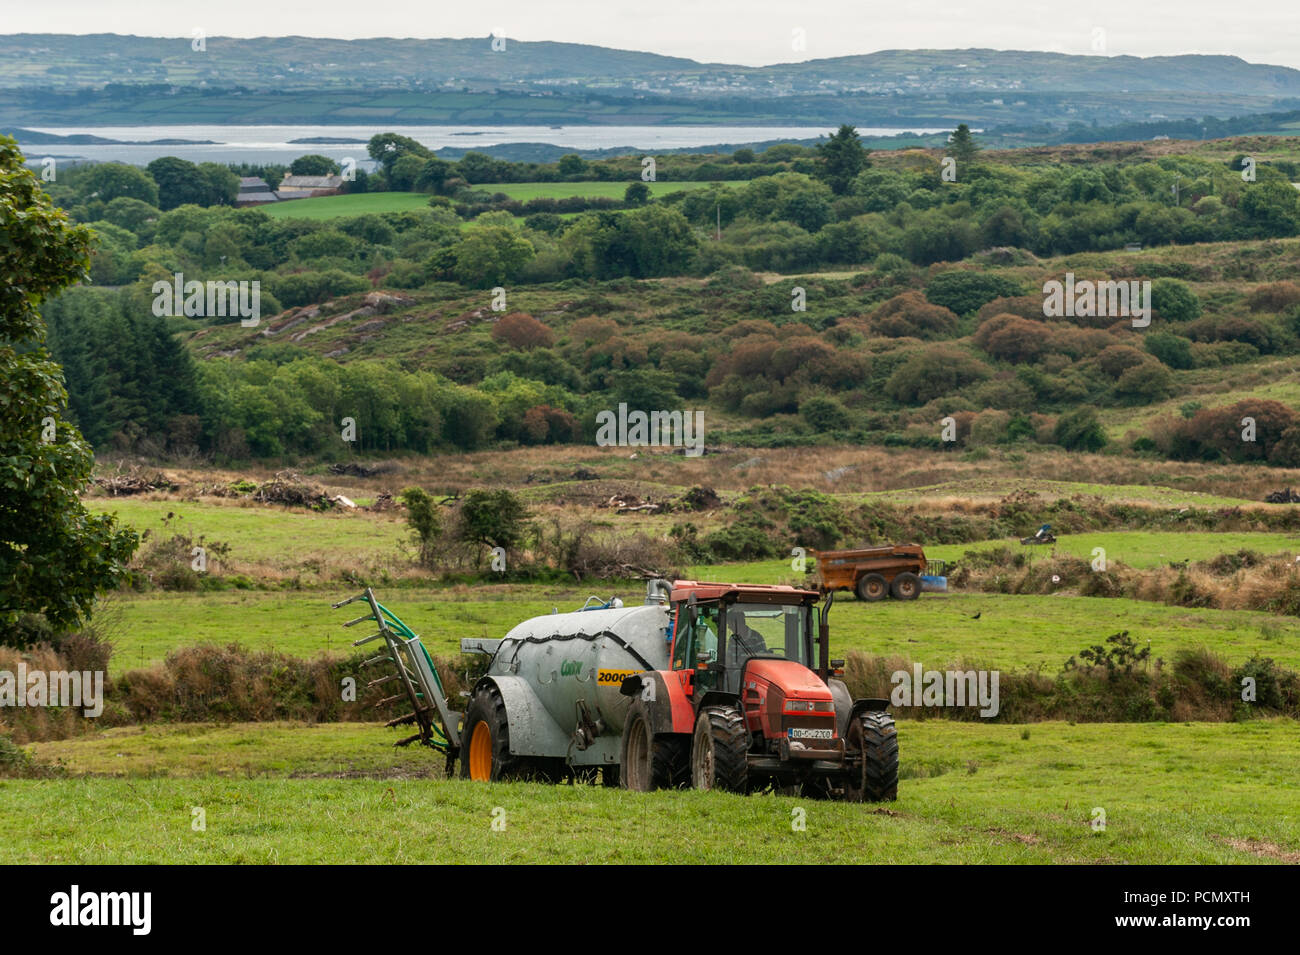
x,y
969,793
1012,632
332,207
523,191
258,532
311,549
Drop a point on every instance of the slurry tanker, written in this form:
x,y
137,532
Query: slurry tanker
x,y
710,685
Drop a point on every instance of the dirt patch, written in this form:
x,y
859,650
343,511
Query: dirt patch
x,y
1021,837
1258,847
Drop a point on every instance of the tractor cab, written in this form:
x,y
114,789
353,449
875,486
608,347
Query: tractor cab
x,y
755,643
718,629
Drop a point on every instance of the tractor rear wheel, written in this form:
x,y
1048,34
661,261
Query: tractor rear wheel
x,y
649,760
718,750
906,586
874,737
872,587
485,740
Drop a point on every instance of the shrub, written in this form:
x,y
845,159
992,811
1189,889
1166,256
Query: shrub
x,y
1079,430
1012,338
964,292
824,413
910,315
1174,300
1275,297
939,370
1173,350
520,330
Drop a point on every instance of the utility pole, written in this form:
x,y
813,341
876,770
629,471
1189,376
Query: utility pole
x,y
717,207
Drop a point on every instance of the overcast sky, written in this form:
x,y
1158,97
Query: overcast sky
x,y
751,32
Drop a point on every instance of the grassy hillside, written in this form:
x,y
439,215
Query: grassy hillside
x,y
1179,793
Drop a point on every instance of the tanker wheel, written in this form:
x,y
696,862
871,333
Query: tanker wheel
x,y
485,740
649,760
873,736
872,587
719,750
906,586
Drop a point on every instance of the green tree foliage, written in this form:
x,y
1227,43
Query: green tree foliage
x,y
110,180
179,182
493,519
642,243
636,194
1174,301
966,292
387,148
314,165
1080,430
54,556
490,256
425,521
128,378
937,371
842,157
962,145
824,413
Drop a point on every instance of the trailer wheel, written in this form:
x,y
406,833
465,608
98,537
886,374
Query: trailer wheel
x,y
872,587
906,586
874,737
485,740
649,760
718,750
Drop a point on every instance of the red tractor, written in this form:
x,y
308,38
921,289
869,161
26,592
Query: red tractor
x,y
750,701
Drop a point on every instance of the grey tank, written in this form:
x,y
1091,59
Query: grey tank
x,y
558,671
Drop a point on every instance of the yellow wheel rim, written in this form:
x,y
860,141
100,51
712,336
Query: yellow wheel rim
x,y
480,753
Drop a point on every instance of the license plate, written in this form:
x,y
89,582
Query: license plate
x,y
811,734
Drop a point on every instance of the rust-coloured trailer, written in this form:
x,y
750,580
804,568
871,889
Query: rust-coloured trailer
x,y
873,573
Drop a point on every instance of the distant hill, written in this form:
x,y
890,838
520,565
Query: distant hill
x,y
61,61
105,79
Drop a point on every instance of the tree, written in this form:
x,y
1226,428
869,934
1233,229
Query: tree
x,y
221,185
109,180
493,519
314,165
636,194
842,158
571,166
54,555
179,183
962,145
387,148
422,515
490,255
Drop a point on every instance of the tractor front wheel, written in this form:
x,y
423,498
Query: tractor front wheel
x,y
649,760
873,738
872,587
718,750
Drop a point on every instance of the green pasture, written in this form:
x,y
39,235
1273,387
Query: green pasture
x,y
969,793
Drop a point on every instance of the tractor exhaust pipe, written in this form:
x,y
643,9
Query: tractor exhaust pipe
x,y
824,639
